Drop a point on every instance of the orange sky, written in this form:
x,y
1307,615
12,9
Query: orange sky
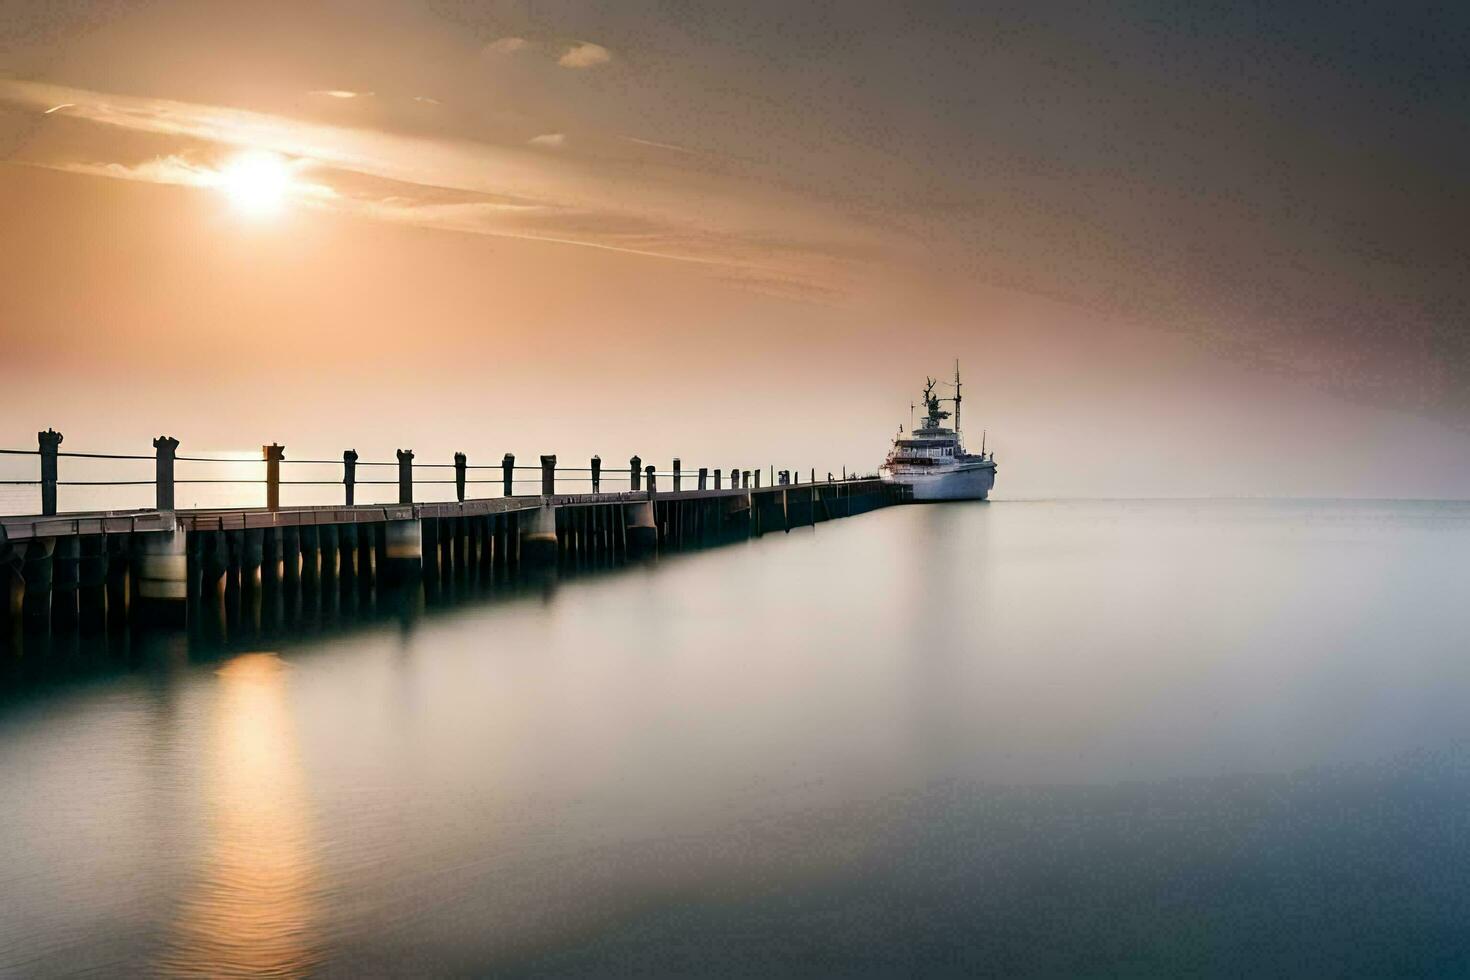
x,y
581,231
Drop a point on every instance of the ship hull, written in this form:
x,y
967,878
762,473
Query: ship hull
x,y
957,484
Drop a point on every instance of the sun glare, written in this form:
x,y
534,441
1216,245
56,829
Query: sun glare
x,y
257,183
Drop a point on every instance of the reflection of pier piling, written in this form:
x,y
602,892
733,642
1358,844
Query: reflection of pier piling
x,y
248,566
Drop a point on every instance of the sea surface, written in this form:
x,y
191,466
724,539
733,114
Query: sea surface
x,y
1019,738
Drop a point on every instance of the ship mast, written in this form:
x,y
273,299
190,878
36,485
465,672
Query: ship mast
x,y
957,395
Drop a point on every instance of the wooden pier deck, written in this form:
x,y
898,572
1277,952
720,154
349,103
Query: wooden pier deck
x,y
119,567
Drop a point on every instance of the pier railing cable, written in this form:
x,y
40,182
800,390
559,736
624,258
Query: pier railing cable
x,y
514,478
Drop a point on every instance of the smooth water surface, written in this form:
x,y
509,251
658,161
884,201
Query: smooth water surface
x,y
1054,738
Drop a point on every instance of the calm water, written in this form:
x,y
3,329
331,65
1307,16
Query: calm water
x,y
1053,738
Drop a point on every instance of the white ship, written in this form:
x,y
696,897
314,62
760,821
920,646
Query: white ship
x,y
932,460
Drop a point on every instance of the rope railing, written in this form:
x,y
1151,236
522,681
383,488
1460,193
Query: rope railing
x,y
103,456
633,476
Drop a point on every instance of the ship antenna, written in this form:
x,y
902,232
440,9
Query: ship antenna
x,y
957,395
982,442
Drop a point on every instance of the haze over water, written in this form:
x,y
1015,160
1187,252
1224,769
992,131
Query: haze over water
x,y
1023,737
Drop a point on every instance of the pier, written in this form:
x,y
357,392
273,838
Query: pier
x,y
110,569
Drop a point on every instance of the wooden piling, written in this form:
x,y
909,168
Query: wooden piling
x,y
65,573
349,475
92,582
164,448
538,537
49,443
640,532
119,582
160,574
273,454
405,476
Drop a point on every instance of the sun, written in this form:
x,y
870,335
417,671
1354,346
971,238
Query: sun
x,y
257,183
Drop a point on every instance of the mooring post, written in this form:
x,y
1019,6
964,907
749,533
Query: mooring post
x,y
717,479
648,472
349,475
461,461
508,467
676,474
163,472
596,474
703,477
635,469
405,476
757,479
48,441
273,454
548,475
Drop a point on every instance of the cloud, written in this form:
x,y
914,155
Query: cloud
x,y
171,169
584,54
507,45
755,232
548,139
661,146
183,171
580,54
427,99
339,93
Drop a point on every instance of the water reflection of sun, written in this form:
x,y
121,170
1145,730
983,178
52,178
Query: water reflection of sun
x,y
251,911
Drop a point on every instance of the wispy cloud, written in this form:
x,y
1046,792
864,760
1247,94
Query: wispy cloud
x,y
661,146
548,139
340,93
184,171
171,169
584,54
507,45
